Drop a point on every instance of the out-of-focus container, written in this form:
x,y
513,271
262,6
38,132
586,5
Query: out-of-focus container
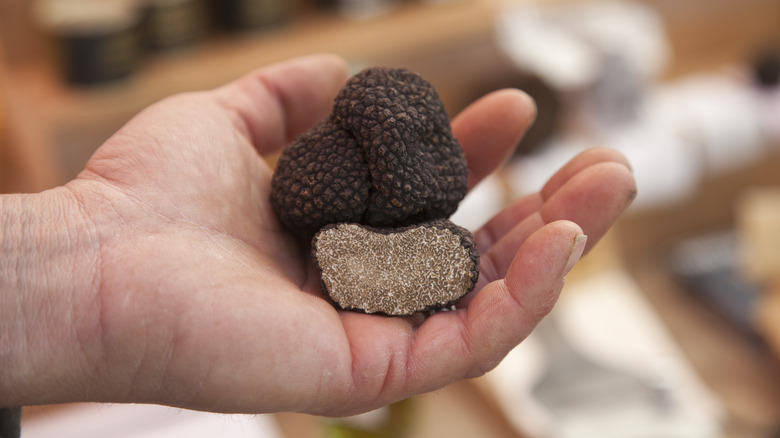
x,y
250,15
96,41
365,9
173,24
326,4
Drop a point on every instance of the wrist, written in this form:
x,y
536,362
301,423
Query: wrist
x,y
48,308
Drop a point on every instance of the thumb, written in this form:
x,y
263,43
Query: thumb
x,y
275,103
506,311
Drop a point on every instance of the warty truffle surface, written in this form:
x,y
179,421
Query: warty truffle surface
x,y
396,271
386,156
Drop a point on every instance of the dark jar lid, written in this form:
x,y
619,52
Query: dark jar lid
x,y
96,41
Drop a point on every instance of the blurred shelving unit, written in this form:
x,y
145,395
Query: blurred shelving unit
x,y
61,125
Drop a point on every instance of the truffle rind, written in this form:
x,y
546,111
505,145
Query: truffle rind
x,y
418,170
396,271
321,178
389,143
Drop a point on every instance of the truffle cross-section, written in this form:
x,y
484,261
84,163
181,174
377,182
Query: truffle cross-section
x,y
396,271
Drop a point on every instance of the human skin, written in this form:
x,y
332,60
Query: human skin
x,y
161,275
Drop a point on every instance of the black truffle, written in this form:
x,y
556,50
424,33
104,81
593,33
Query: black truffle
x,y
386,156
396,271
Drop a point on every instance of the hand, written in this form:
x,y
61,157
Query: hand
x,y
176,284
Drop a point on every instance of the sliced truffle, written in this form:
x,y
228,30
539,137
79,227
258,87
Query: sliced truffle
x,y
386,156
396,271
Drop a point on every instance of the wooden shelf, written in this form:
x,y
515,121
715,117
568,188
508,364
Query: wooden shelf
x,y
213,63
60,125
70,122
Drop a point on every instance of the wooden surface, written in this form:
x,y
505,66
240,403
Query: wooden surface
x,y
768,316
743,374
758,221
741,370
707,34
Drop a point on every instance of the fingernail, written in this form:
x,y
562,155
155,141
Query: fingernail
x,y
576,252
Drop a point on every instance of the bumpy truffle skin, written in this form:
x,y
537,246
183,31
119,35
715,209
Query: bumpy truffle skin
x,y
389,139
321,178
396,271
417,168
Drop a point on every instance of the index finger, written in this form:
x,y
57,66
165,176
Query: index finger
x,y
490,128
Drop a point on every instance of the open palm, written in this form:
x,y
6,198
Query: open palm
x,y
203,301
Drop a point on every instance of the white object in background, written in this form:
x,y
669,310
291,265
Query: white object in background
x,y
540,47
145,421
608,320
481,204
717,115
511,384
529,173
667,168
565,44
630,29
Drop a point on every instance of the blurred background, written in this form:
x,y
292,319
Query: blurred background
x,y
670,328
